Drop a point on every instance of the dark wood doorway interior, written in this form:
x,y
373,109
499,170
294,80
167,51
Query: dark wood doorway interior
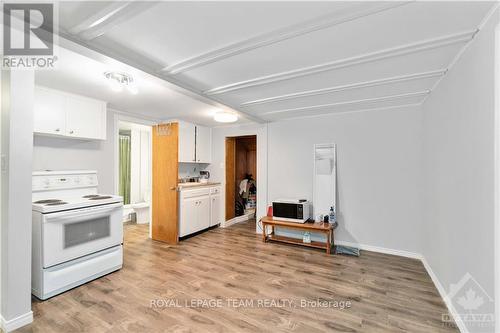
x,y
241,159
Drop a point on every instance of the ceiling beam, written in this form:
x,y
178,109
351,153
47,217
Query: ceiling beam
x,y
433,43
375,99
278,35
108,17
353,86
82,47
329,113
480,27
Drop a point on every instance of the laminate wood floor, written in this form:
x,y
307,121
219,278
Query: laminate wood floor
x,y
244,285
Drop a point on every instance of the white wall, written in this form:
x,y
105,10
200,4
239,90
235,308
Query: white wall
x,y
140,164
217,168
379,172
459,135
17,88
2,160
51,153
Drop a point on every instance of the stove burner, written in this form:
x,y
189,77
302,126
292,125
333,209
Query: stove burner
x,y
90,196
47,201
56,203
100,197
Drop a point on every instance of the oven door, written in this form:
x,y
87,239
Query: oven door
x,y
75,233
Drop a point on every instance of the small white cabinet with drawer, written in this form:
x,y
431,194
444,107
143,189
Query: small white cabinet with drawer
x,y
199,209
63,114
215,209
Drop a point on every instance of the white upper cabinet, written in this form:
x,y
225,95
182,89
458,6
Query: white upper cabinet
x,y
49,113
203,144
187,142
195,143
85,118
63,114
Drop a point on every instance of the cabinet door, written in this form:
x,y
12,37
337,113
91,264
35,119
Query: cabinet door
x,y
186,142
215,215
85,118
49,113
189,216
203,212
203,144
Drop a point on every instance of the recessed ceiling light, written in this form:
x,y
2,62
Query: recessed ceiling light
x,y
225,117
119,81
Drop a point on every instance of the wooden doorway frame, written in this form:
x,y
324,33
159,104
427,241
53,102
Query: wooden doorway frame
x,y
230,166
230,172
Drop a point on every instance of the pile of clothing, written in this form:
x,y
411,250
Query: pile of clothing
x,y
247,195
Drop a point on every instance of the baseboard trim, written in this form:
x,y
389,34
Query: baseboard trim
x,y
237,219
13,324
379,249
442,292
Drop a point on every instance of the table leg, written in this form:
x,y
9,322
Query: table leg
x,y
328,243
264,237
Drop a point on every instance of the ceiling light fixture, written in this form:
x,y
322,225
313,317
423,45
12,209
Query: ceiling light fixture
x,y
119,81
225,117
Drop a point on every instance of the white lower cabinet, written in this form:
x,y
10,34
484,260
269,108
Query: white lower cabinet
x,y
188,212
199,209
203,211
215,211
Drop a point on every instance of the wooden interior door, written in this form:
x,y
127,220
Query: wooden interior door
x,y
230,177
165,177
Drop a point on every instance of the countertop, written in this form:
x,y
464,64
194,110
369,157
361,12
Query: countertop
x,y
185,186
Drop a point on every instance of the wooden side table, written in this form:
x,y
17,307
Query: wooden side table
x,y
320,227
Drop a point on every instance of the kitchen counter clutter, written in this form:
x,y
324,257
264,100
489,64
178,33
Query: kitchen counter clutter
x,y
184,186
199,207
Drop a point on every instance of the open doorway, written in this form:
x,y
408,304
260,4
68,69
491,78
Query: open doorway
x,y
134,171
241,178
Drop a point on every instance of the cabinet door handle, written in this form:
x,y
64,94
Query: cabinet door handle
x,y
58,129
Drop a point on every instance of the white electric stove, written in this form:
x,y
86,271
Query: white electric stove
x,y
77,233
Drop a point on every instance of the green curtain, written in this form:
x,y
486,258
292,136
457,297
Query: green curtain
x,y
124,174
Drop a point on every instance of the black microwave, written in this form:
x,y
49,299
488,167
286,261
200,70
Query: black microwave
x,y
292,210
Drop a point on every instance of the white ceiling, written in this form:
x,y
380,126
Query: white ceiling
x,y
273,60
157,99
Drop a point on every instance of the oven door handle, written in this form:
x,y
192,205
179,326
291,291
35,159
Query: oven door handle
x,y
81,214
